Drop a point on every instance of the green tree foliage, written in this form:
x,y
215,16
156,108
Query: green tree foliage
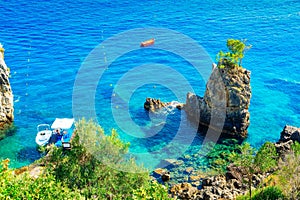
x,y
97,165
151,191
268,193
266,157
289,173
95,168
246,161
25,187
264,160
235,54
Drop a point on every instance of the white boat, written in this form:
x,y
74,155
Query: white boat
x,y
44,134
60,132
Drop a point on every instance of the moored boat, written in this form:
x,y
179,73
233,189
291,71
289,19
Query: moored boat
x,y
60,132
147,42
44,134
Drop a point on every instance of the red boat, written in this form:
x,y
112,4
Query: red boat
x,y
147,42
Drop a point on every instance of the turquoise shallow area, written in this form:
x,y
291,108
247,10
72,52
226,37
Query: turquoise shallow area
x,y
47,41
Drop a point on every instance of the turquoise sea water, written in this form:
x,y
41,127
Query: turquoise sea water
x,y
46,43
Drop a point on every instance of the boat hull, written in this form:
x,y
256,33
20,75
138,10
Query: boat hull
x,y
147,43
42,138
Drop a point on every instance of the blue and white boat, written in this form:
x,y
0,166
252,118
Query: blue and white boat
x,y
60,132
44,134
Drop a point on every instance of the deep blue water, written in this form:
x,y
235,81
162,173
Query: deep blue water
x,y
47,43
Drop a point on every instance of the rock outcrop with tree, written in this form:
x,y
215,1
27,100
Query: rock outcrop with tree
x,y
225,104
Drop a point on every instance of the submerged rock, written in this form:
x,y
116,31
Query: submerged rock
x,y
6,96
225,104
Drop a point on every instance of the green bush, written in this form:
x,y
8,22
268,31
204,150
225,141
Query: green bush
x,y
268,193
100,171
152,190
266,158
97,165
251,163
25,187
296,148
235,55
289,175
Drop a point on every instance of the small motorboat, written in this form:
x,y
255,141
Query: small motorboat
x,y
44,134
60,132
147,42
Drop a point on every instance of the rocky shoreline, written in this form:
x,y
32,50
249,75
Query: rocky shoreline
x,y
228,186
224,109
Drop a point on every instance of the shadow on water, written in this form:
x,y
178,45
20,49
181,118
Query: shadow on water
x,y
8,130
28,154
168,130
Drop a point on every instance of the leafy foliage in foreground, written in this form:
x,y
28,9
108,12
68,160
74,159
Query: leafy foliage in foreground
x,y
251,163
96,165
289,173
95,168
152,190
285,181
25,187
267,193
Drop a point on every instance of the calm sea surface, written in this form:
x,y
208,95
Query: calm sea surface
x,y
47,42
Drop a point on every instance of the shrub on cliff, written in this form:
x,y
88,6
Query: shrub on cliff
x,y
235,55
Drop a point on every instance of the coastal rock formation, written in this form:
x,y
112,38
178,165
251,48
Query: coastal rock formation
x,y
156,104
288,136
231,184
215,187
6,96
290,133
225,104
153,104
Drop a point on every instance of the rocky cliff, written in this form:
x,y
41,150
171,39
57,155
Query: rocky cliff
x,y
225,104
6,96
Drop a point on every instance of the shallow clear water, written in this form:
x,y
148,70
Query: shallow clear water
x,y
46,43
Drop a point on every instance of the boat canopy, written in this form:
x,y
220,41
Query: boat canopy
x,y
63,123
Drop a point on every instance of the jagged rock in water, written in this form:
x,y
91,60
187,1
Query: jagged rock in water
x,y
225,104
290,133
6,96
153,104
156,104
